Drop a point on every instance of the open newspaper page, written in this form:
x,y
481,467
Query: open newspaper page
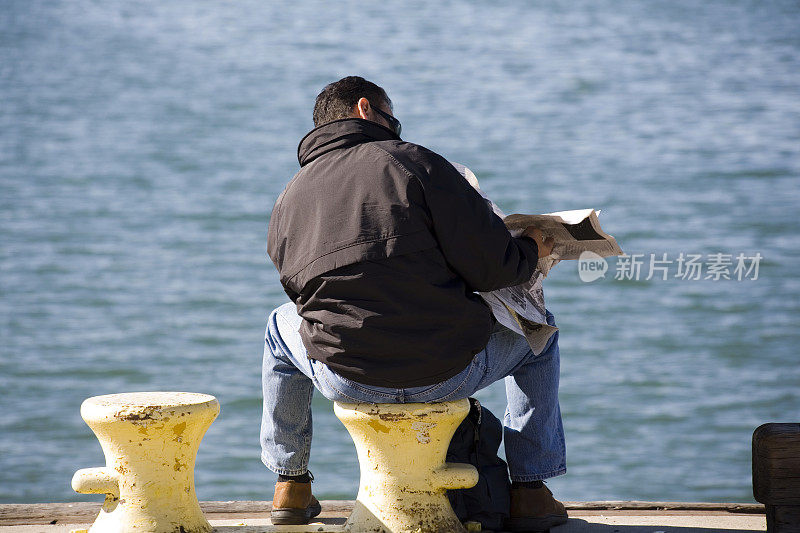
x,y
521,308
574,232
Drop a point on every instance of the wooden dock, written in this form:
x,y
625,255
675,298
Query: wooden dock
x,y
585,517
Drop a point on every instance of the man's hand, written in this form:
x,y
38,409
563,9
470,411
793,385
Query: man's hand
x,y
545,245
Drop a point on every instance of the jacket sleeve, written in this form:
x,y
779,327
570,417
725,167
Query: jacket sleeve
x,y
475,242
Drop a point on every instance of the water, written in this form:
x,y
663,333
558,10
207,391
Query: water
x,y
143,145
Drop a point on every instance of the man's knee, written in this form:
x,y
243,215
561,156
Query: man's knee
x,y
283,318
286,319
283,347
273,338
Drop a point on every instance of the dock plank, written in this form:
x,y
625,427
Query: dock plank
x,y
84,512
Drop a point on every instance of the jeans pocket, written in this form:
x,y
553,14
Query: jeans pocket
x,y
461,385
350,391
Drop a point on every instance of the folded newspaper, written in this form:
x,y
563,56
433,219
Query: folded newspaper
x,y
521,308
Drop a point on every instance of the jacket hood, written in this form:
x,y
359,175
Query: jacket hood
x,y
342,133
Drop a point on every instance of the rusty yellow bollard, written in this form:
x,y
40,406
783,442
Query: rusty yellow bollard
x,y
404,478
150,441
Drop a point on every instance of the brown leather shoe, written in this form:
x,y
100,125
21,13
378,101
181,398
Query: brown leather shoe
x,y
293,503
534,510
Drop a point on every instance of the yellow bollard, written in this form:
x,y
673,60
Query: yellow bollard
x,y
150,441
404,478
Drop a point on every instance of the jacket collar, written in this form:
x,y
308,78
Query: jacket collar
x,y
342,133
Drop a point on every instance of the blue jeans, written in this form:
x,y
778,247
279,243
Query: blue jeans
x,y
532,431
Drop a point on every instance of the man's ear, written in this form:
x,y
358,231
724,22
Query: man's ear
x,y
362,109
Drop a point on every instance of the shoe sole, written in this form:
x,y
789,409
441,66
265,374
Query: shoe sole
x,y
294,517
520,525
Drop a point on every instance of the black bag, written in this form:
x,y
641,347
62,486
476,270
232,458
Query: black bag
x,y
476,442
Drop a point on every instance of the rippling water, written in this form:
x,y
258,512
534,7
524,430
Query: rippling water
x,y
142,146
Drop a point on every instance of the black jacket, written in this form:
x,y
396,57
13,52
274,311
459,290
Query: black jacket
x,y
381,244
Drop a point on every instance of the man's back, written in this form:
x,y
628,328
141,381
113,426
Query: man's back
x,y
381,244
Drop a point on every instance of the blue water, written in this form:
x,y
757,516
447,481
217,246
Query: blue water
x,y
142,146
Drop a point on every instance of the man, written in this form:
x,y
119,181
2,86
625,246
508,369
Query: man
x,y
381,245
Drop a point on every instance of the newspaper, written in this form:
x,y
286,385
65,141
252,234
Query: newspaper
x,y
521,308
574,232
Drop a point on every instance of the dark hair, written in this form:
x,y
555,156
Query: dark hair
x,y
337,99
